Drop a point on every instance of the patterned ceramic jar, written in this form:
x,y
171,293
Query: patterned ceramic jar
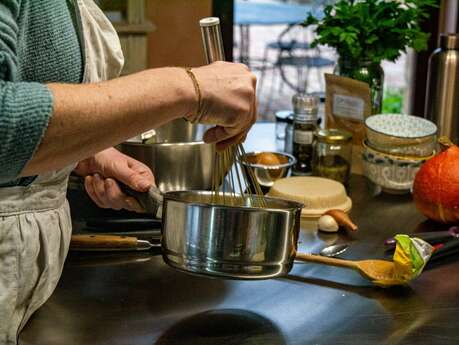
x,y
394,174
400,134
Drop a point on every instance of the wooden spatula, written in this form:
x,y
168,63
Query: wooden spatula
x,y
380,272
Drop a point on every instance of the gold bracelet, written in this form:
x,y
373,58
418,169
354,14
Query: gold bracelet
x,y
197,89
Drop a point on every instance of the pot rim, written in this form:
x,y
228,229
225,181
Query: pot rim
x,y
176,196
190,143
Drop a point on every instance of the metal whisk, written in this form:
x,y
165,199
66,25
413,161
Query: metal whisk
x,y
239,177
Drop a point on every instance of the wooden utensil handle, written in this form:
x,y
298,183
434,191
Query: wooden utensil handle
x,y
326,260
103,241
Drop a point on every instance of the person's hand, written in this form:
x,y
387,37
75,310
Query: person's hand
x,y
228,101
101,172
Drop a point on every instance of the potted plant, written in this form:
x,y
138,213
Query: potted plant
x,y
366,32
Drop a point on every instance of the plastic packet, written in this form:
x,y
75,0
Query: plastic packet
x,y
410,257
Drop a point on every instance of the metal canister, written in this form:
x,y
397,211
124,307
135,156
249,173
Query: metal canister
x,y
288,147
442,101
281,122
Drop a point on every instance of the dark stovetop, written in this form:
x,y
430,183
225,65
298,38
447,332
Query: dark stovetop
x,y
88,218
136,299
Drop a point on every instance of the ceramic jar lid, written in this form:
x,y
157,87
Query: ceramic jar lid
x,y
318,194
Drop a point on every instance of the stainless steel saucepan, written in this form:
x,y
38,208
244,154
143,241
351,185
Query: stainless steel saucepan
x,y
202,236
244,242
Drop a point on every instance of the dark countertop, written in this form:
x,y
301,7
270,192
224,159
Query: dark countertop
x,y
120,298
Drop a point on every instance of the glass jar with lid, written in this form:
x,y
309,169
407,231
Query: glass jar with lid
x,y
332,154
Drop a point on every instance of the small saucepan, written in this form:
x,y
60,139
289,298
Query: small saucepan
x,y
241,242
202,236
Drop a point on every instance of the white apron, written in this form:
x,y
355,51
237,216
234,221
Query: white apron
x,y
35,224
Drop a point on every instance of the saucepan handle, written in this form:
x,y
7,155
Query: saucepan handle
x,y
151,201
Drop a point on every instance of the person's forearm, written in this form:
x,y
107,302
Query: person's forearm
x,y
88,118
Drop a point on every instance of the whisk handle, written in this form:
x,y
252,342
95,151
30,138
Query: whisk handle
x,y
212,39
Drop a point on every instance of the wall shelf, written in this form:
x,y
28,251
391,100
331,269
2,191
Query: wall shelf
x,y
129,19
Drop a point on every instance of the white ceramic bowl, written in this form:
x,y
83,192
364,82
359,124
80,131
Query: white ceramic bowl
x,y
317,194
394,174
401,134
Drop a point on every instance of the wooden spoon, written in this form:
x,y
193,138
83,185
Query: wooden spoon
x,y
380,272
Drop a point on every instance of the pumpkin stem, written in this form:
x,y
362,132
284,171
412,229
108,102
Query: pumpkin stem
x,y
445,143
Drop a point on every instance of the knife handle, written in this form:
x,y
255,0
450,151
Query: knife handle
x,y
432,237
447,249
102,242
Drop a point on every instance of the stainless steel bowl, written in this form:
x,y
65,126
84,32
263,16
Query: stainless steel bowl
x,y
266,175
178,157
243,242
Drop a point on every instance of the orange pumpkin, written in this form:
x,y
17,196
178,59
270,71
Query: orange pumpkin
x,y
436,187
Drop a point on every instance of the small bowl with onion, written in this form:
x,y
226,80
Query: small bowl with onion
x,y
267,167
400,134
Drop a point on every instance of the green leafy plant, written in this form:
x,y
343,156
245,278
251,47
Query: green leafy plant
x,y
393,101
372,30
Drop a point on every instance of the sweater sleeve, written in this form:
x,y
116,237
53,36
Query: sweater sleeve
x,y
25,107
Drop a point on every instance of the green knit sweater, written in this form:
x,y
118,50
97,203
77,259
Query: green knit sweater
x,y
39,44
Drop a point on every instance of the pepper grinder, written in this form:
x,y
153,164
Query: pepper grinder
x,y
305,108
442,98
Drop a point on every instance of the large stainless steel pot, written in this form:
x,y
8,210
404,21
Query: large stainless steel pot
x,y
234,242
178,157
